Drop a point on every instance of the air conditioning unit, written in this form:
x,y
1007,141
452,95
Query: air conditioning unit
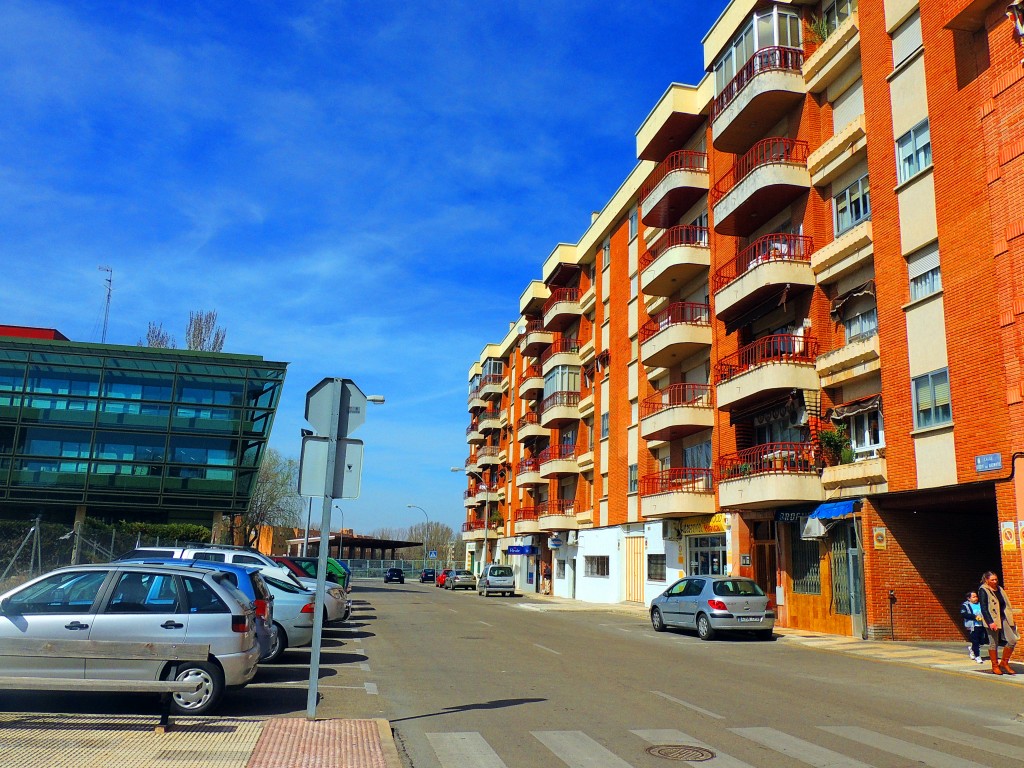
x,y
572,538
813,528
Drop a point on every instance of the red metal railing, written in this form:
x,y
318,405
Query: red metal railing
x,y
560,345
676,395
681,235
768,458
685,479
559,295
557,452
473,427
571,399
775,59
473,394
532,372
528,465
488,450
680,160
471,460
773,151
526,513
490,413
472,525
682,312
778,348
556,507
491,378
527,419
768,248
534,326
473,490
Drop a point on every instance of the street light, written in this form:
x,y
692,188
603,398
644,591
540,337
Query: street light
x,y
425,530
487,511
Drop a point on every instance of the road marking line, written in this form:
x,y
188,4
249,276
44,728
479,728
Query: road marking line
x,y
973,741
577,750
486,624
458,750
899,747
670,736
371,688
687,704
1015,729
545,648
798,749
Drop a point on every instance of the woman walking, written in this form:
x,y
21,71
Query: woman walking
x,y
998,614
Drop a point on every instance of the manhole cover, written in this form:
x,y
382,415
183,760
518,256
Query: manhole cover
x,y
682,752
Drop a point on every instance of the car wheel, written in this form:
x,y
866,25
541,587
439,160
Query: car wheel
x,y
657,621
277,645
211,688
704,629
765,634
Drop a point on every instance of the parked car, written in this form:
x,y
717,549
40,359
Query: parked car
x,y
249,581
497,578
215,554
337,571
459,579
427,574
710,604
137,602
394,574
294,609
442,577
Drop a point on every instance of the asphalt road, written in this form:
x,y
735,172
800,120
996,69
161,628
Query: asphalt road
x,y
471,682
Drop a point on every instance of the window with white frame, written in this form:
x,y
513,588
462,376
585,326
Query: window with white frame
x,y
866,432
852,205
836,12
913,152
604,425
562,378
931,399
596,565
701,223
924,273
656,567
606,254
634,478
773,26
634,226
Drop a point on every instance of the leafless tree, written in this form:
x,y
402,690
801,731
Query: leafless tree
x,y
275,500
156,336
203,333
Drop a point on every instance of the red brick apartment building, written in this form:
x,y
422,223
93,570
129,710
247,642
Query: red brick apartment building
x,y
790,346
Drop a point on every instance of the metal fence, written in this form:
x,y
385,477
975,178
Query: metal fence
x,y
374,569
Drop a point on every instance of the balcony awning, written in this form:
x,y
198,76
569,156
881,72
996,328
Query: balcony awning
x,y
831,510
838,302
854,407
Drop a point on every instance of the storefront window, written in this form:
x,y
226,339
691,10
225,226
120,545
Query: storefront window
x,y
706,555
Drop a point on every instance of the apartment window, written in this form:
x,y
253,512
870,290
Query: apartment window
x,y
923,271
852,205
931,399
835,13
606,254
701,234
633,224
604,425
906,39
913,152
806,563
771,27
562,378
867,434
634,479
595,565
656,568
698,456
559,569
861,325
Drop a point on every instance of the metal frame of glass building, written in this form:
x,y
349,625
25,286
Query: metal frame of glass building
x,y
130,433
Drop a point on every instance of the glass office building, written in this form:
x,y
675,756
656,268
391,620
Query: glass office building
x,y
129,433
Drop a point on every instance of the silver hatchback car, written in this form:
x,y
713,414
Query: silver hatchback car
x,y
709,604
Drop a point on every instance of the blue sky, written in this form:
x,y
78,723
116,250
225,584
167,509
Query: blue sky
x,y
361,189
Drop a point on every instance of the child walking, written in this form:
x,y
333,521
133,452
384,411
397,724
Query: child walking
x,y
974,623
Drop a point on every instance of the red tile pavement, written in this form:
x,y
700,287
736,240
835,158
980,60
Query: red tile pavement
x,y
292,742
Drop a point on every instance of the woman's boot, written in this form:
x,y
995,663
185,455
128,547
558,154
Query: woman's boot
x,y
993,656
1005,663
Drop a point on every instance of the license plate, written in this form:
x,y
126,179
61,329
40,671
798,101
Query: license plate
x,y
748,618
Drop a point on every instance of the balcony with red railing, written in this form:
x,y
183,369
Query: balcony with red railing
x,y
489,419
490,385
473,495
557,515
473,530
768,475
528,428
764,90
765,369
763,270
528,473
763,182
559,408
473,433
534,338
680,255
678,181
680,330
532,382
561,351
679,410
558,460
675,492
471,463
488,455
562,308
525,520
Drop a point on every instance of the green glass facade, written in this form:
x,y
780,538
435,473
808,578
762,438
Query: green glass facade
x,y
131,432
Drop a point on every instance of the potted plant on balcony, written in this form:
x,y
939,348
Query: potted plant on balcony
x,y
835,445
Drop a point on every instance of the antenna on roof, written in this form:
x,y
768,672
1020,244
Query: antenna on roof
x,y
106,312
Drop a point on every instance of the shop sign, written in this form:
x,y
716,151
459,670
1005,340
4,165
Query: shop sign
x,y
521,550
693,526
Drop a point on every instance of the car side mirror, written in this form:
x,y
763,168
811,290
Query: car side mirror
x,y
6,606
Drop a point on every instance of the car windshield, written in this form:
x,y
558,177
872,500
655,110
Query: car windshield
x,y
731,587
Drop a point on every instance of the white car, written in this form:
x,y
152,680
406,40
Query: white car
x,y
293,616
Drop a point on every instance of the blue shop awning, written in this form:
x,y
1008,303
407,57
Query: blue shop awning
x,y
833,509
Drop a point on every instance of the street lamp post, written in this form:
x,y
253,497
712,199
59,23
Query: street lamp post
x,y
487,512
426,530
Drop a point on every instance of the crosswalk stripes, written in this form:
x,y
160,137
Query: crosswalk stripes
x,y
575,749
906,749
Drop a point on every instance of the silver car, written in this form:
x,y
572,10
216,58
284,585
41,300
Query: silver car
x,y
460,579
136,603
709,604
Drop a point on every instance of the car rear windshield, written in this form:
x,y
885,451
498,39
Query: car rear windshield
x,y
737,587
501,571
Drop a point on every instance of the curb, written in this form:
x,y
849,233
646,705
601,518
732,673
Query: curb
x,y
387,743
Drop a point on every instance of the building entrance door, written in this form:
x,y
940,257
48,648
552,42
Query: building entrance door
x,y
762,556
635,569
